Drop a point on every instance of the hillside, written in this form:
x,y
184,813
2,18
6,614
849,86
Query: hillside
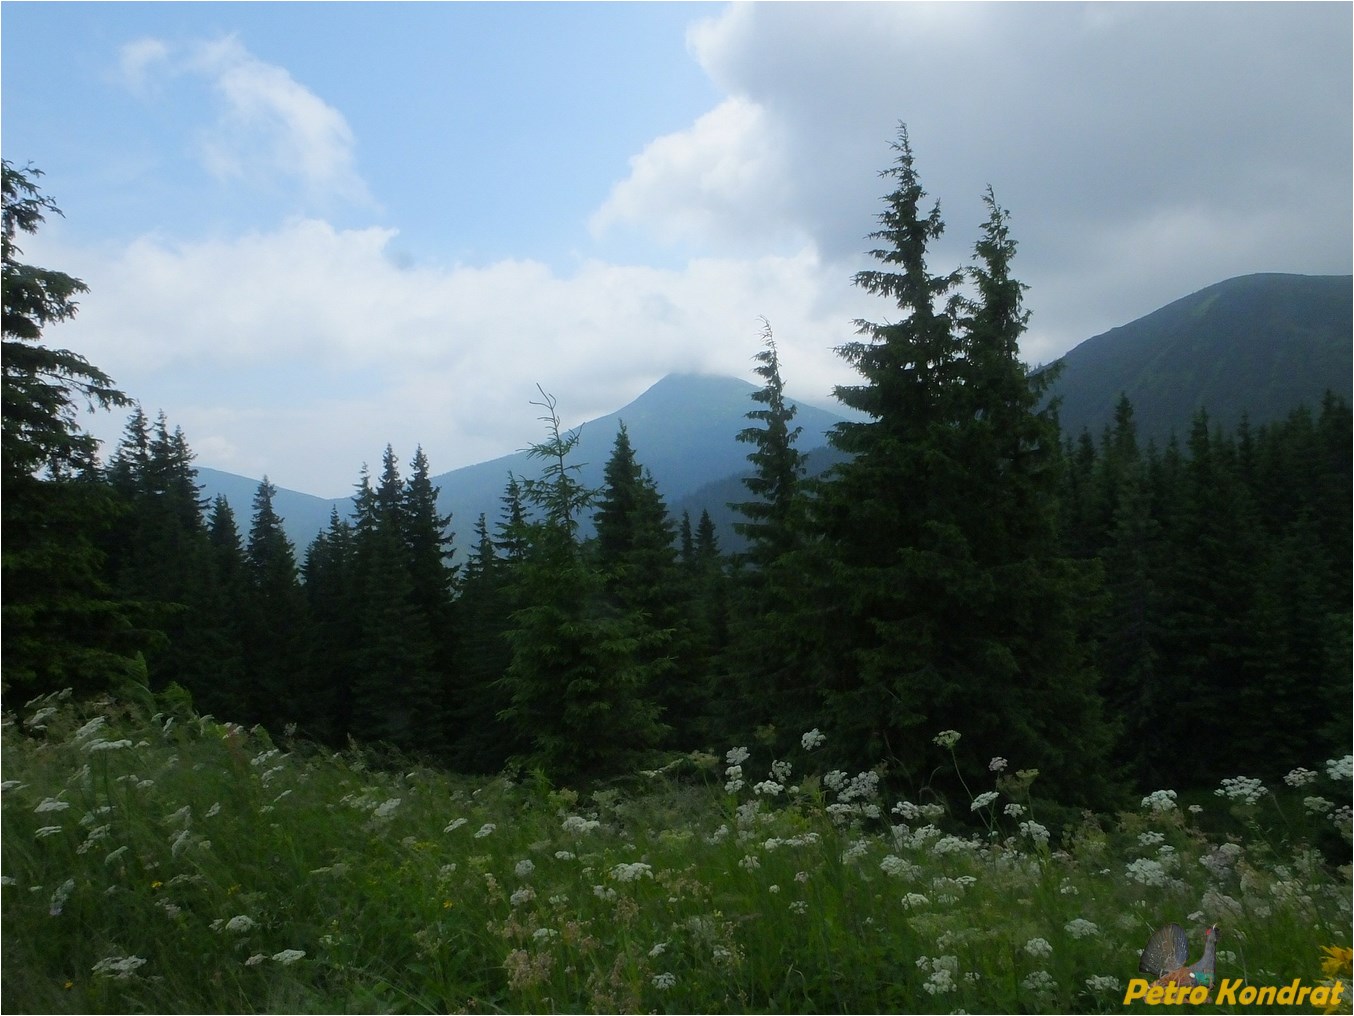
x,y
1257,344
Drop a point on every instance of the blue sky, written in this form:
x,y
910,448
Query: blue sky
x,y
312,229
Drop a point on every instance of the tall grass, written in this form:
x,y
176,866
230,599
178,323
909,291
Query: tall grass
x,y
173,863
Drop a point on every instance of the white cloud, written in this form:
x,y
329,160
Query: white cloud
x,y
721,182
301,351
268,126
137,59
1143,150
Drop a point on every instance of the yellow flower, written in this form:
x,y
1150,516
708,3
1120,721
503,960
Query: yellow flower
x,y
156,884
1339,960
69,985
446,904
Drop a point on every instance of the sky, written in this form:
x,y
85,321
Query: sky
x,y
312,230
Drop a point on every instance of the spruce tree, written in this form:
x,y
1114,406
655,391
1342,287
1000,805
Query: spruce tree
x,y
277,624
581,677
777,465
941,590
62,626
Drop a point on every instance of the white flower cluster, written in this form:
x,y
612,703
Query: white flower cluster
x,y
524,868
1317,805
812,739
1105,983
768,787
1300,777
941,980
485,830
578,825
664,981
121,967
1160,801
1245,789
1146,871
631,872
897,867
1035,831
946,738
1340,768
384,810
1079,928
1221,859
1039,948
997,764
983,800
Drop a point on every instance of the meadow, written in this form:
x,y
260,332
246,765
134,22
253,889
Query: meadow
x,y
155,860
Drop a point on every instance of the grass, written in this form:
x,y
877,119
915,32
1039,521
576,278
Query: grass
x,y
173,863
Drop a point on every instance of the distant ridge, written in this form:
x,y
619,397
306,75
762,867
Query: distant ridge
x,y
1257,344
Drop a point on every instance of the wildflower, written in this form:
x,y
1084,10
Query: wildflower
x,y
485,830
736,756
89,729
997,764
455,824
780,771
241,923
983,800
812,739
1103,982
1151,838
255,960
768,787
1035,831
1245,789
631,872
1299,777
386,809
896,867
604,892
1196,809
524,895
45,831
1340,768
1160,801
799,907
565,855
10,785
914,900
59,897
577,824
99,744
544,934
946,738
1039,948
1337,961
524,868
1147,871
750,862
121,967
1013,810
51,804
1040,981
1079,927
1317,805
664,981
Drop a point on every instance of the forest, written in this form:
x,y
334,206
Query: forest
x,y
1119,615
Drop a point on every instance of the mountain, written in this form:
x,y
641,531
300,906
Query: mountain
x,y
1257,344
683,430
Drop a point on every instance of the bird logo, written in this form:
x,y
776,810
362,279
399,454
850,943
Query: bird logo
x,y
1166,953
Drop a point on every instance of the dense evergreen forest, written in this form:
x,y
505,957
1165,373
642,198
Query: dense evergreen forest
x,y
1120,615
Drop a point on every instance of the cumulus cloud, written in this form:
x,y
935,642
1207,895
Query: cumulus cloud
x,y
723,181
1189,142
303,350
268,125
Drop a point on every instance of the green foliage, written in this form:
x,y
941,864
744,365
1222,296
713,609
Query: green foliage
x,y
158,861
933,579
62,623
581,661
